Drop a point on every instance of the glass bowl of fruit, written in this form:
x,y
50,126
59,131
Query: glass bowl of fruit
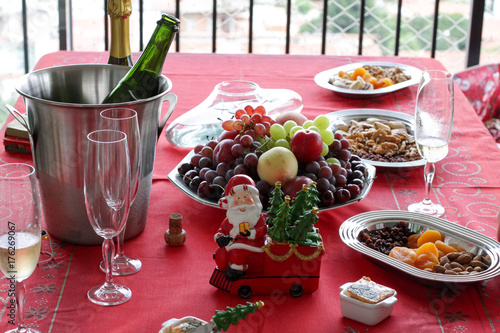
x,y
293,152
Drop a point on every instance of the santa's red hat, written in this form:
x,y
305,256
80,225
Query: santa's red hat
x,y
237,184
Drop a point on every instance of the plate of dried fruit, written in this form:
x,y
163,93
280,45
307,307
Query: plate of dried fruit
x,y
373,234
381,138
401,76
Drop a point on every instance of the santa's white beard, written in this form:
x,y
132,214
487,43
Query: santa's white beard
x,y
251,215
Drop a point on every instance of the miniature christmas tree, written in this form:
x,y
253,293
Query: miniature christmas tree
x,y
223,319
312,197
274,203
303,231
278,232
299,204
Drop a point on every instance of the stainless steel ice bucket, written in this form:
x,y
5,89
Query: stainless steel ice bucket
x,y
63,106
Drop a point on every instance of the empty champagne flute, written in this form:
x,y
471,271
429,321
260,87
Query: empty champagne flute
x,y
433,124
125,120
107,200
20,234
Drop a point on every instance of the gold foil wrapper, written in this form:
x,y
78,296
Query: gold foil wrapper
x,y
119,8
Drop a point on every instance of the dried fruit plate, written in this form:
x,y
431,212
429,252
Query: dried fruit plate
x,y
472,241
344,117
176,179
322,79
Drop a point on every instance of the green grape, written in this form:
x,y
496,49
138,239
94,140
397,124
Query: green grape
x,y
325,150
327,136
288,125
293,130
314,128
333,160
277,132
307,123
282,143
322,122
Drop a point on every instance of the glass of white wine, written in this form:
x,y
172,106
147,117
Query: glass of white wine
x,y
433,124
20,234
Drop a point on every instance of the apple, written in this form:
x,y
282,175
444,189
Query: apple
x,y
295,184
277,164
306,145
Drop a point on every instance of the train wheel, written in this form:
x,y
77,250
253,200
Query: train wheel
x,y
245,291
296,290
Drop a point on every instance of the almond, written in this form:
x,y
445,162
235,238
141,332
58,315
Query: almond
x,y
450,272
439,269
457,265
444,260
464,258
477,263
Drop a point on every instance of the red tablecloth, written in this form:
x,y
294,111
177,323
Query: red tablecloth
x,y
173,282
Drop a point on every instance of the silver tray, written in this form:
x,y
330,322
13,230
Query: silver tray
x,y
343,117
322,79
176,179
472,241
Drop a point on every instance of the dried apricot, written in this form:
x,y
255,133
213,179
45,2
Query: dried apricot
x,y
342,74
428,248
444,247
430,236
412,241
403,254
358,72
426,260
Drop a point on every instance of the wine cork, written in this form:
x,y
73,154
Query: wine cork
x,y
175,235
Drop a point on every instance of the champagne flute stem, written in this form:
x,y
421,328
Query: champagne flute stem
x,y
20,298
108,251
429,171
120,239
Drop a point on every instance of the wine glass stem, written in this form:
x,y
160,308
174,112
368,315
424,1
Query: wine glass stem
x,y
429,171
20,298
120,239
108,251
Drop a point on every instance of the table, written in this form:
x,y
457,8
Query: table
x,y
173,282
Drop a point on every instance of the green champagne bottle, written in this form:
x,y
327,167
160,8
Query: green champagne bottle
x,y
142,81
119,51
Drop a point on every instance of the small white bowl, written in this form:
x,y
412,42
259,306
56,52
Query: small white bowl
x,y
365,313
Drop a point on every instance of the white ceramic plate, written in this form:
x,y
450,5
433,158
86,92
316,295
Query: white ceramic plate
x,y
472,241
344,117
322,79
176,179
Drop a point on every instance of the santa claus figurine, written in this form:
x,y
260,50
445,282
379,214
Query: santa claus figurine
x,y
243,231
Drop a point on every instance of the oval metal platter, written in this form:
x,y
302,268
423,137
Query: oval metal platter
x,y
176,179
472,241
344,117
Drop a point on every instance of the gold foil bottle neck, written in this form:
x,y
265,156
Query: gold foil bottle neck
x,y
119,8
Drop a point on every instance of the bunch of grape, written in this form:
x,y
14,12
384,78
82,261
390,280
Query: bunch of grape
x,y
339,175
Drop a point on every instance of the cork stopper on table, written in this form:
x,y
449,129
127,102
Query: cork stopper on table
x,y
175,235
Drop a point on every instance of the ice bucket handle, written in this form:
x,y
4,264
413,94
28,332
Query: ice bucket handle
x,y
172,98
19,117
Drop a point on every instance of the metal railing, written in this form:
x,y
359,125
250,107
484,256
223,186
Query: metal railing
x,y
473,39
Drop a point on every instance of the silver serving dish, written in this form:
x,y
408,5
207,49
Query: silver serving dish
x,y
176,179
344,117
322,79
472,241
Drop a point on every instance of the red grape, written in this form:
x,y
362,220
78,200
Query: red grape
x,y
239,113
